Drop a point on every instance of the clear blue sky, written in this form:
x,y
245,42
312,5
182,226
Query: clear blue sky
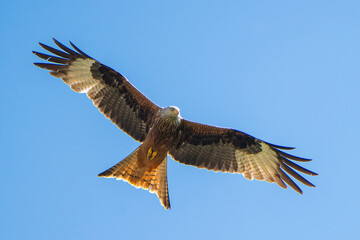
x,y
285,72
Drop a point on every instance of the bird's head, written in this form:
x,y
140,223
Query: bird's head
x,y
171,111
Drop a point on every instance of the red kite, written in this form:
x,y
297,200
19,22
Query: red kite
x,y
163,131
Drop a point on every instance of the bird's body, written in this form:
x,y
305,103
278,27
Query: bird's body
x,y
162,134
162,131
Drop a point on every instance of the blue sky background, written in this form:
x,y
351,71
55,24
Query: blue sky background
x,y
283,71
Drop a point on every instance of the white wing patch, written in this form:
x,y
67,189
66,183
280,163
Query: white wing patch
x,y
259,166
79,75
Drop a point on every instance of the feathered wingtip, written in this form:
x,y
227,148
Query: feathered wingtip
x,y
279,147
61,57
287,165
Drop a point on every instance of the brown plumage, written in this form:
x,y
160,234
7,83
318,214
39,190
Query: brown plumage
x,y
162,131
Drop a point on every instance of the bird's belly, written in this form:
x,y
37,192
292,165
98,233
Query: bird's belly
x,y
155,148
156,161
150,156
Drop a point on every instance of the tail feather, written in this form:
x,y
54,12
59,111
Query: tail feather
x,y
154,180
160,186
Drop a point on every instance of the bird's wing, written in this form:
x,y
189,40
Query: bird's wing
x,y
228,150
110,91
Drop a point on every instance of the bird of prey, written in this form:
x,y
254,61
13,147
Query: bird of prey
x,y
163,131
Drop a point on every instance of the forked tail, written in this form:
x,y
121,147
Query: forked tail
x,y
154,180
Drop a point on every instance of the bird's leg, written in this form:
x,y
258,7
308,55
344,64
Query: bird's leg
x,y
151,154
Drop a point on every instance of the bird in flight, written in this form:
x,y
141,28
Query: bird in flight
x,y
162,131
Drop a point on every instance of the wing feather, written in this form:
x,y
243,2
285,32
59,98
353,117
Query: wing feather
x,y
51,58
78,50
297,167
110,91
229,150
290,182
66,49
296,175
55,51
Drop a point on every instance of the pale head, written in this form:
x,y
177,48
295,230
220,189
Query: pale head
x,y
171,111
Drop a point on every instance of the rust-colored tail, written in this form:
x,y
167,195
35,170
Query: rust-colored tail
x,y
154,180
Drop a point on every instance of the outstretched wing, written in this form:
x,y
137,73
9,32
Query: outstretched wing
x,y
228,150
110,91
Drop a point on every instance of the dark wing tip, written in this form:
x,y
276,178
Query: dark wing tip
x,y
65,48
55,51
287,165
40,65
50,66
78,50
280,147
290,182
296,175
63,57
51,58
57,42
297,167
43,45
292,157
38,54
